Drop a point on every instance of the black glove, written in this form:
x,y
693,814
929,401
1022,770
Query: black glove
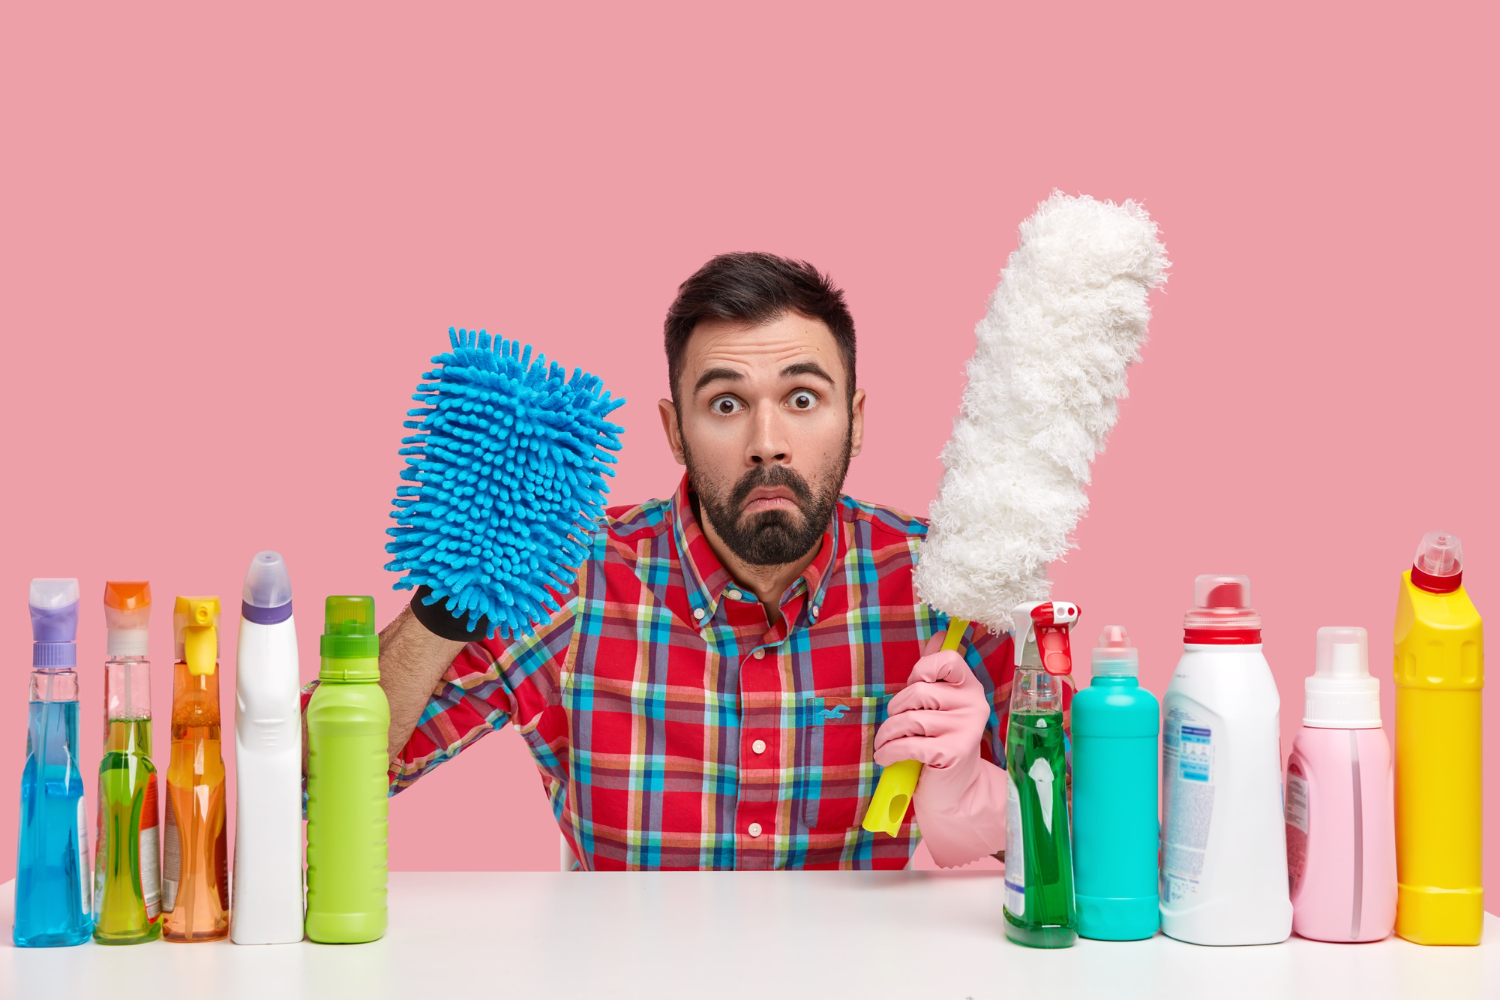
x,y
436,619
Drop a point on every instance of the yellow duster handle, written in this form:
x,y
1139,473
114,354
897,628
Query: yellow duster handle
x,y
897,782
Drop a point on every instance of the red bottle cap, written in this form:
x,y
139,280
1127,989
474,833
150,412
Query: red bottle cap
x,y
1221,615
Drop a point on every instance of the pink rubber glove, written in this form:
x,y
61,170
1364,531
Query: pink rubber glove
x,y
939,719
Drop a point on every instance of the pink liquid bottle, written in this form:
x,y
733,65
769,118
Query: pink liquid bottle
x,y
1340,813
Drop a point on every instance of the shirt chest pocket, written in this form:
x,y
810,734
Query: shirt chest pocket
x,y
836,760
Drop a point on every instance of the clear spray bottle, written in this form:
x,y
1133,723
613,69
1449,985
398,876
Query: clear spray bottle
x,y
1040,909
127,869
195,878
52,856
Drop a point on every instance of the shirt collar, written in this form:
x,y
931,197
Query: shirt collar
x,y
706,578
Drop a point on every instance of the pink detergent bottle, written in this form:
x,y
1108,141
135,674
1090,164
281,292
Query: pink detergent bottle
x,y
1340,813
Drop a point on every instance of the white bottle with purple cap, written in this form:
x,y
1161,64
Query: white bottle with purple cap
x,y
268,762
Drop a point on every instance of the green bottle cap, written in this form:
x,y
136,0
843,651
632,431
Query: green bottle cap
x,y
349,629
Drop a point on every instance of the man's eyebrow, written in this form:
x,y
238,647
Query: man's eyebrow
x,y
807,368
717,375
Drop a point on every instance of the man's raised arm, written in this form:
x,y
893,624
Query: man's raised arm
x,y
412,661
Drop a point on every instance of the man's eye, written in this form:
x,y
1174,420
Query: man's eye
x,y
725,405
804,400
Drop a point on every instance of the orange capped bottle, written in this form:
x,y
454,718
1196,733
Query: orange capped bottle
x,y
194,876
127,880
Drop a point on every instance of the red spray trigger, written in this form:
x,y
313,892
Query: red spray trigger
x,y
1051,622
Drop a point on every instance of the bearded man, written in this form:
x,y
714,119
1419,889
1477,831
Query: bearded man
x,y
734,665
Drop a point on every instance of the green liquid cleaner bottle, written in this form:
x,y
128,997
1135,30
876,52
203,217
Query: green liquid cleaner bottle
x,y
127,868
348,721
1040,909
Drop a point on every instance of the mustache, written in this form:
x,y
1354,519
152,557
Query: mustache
x,y
771,477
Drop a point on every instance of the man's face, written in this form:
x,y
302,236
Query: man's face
x,y
766,429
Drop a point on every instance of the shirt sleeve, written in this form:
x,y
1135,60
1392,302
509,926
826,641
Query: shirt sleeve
x,y
489,683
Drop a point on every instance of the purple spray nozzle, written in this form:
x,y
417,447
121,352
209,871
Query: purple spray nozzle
x,y
267,597
54,622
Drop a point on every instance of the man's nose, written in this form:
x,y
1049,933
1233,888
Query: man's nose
x,y
769,444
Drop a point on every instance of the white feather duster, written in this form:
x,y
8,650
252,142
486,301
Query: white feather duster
x,y
1068,317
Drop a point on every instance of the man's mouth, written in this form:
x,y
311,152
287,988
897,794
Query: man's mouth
x,y
770,498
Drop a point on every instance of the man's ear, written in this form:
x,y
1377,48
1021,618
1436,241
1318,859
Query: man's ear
x,y
856,422
672,427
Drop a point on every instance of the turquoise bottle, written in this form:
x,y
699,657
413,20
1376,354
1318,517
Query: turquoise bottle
x,y
1115,830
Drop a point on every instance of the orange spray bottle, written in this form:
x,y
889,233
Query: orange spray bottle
x,y
194,876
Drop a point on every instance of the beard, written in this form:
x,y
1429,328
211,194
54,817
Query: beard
x,y
771,537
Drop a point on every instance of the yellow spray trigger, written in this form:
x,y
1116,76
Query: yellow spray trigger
x,y
887,809
200,635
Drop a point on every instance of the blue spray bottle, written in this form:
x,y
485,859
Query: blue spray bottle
x,y
52,863
1115,726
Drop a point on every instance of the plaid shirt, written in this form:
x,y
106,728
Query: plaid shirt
x,y
676,727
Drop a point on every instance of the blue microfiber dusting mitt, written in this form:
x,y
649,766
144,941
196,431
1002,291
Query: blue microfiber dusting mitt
x,y
508,456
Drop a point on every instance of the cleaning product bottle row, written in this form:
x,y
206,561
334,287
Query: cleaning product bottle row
x,y
1369,842
167,877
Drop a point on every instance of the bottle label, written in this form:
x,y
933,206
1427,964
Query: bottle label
x,y
100,863
1188,789
1015,852
1041,775
1298,811
83,856
221,864
171,861
150,850
148,856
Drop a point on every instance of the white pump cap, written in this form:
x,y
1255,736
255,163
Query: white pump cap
x,y
1342,694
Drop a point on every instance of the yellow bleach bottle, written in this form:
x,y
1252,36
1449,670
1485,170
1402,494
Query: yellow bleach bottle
x,y
1439,680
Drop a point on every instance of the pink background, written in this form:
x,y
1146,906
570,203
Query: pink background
x,y
230,241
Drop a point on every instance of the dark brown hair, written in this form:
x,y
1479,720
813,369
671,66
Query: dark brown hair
x,y
756,288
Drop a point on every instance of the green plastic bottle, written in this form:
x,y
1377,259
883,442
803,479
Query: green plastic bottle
x,y
348,721
1040,909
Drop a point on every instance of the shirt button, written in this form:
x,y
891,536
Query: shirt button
x,y
816,609
759,654
754,830
698,613
759,746
735,595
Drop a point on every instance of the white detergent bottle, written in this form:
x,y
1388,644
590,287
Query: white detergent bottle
x,y
1223,869
268,762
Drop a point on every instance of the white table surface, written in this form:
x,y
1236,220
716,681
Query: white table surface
x,y
765,935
